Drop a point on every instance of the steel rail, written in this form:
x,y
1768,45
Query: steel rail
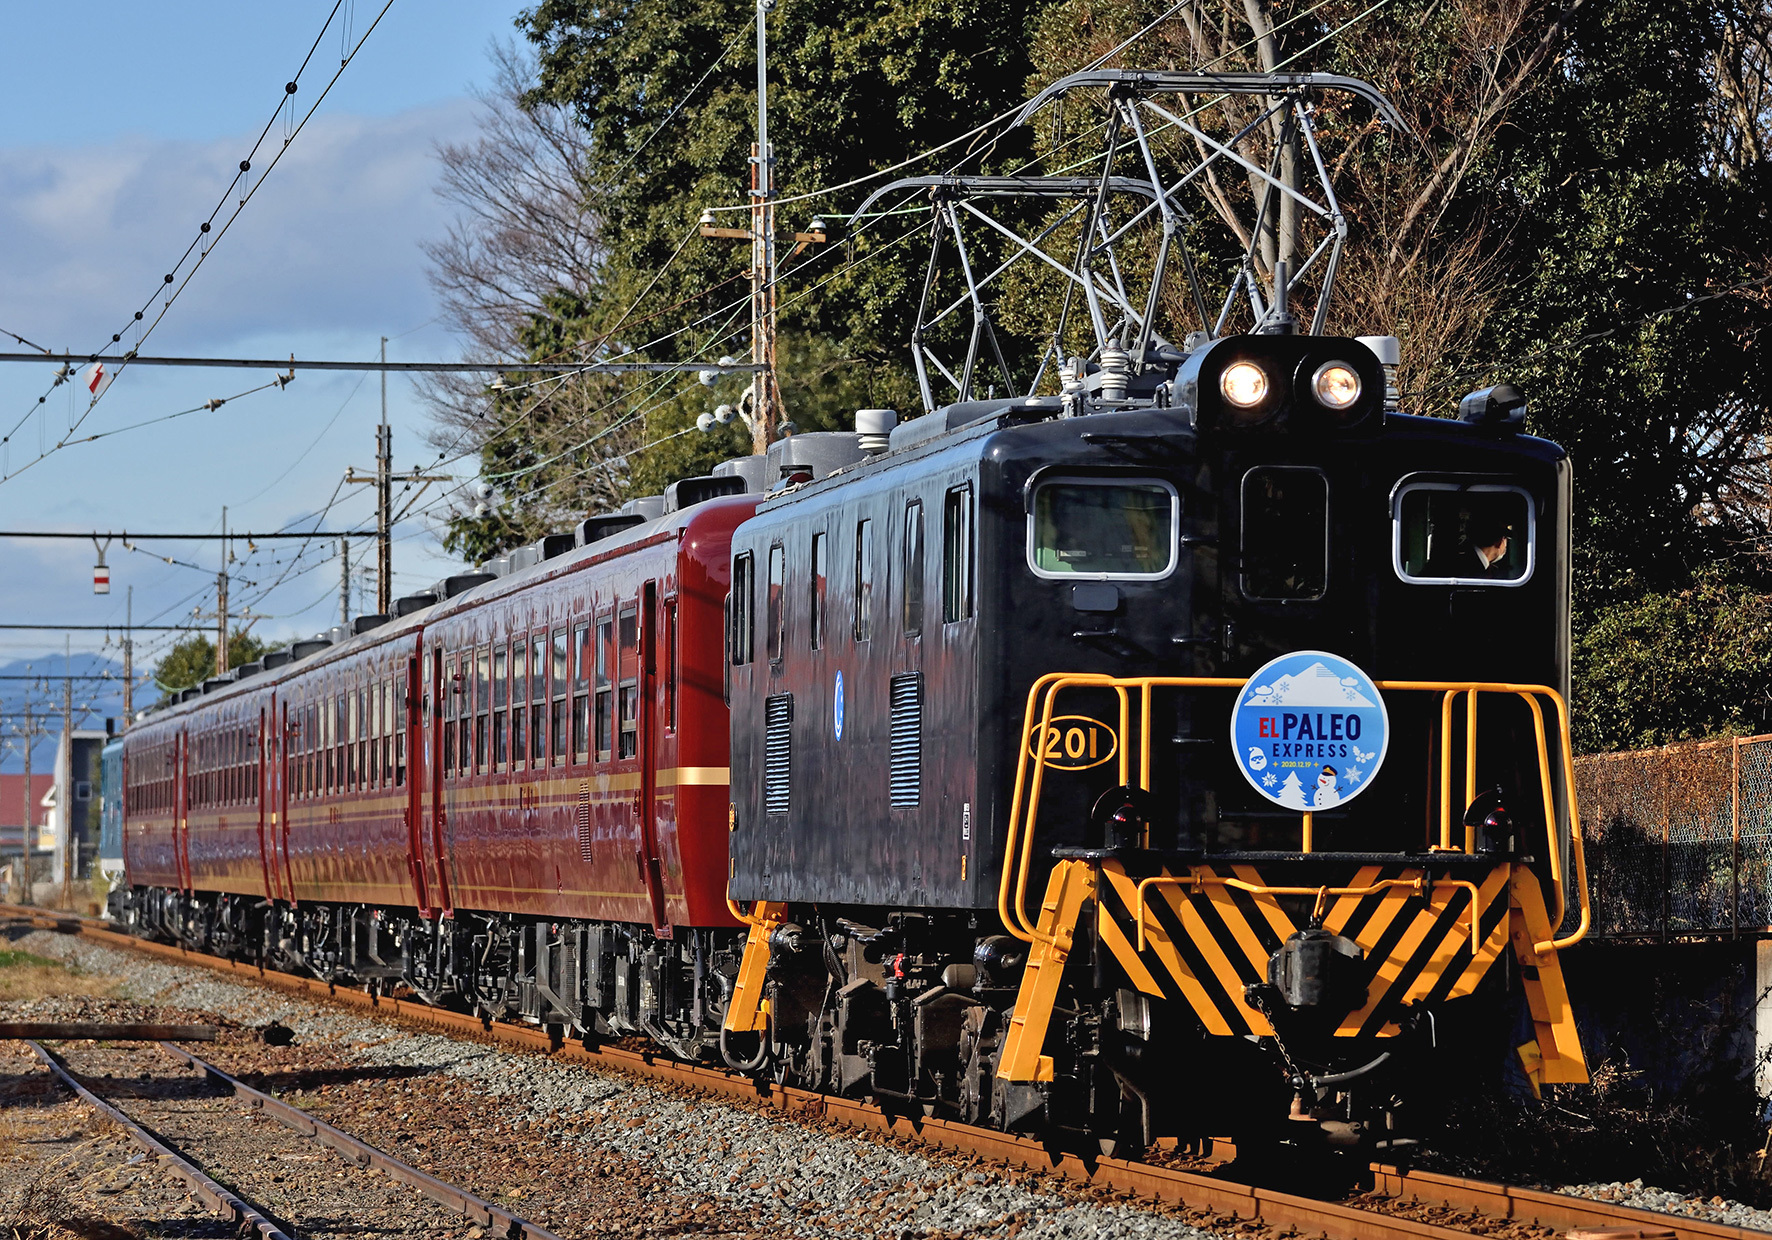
x,y
508,1226
243,1216
1559,1211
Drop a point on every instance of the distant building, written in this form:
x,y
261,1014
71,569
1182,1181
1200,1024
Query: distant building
x,y
73,820
22,813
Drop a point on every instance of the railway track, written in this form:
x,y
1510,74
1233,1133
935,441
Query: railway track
x,y
191,1134
1471,1205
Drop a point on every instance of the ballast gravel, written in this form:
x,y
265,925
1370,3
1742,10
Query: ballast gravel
x,y
589,1153
1639,1195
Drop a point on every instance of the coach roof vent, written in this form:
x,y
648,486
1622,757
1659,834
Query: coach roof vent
x,y
595,529
688,492
524,557
309,646
218,682
362,624
751,468
646,507
549,546
809,457
498,565
461,583
248,669
276,658
195,691
414,602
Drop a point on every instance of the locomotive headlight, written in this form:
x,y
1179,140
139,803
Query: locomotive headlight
x,y
1244,384
1336,384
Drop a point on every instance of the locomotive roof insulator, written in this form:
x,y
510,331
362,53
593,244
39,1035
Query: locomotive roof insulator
x,y
1273,384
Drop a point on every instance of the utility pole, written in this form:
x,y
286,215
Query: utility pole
x,y
766,401
384,465
766,411
221,604
344,581
128,657
383,479
24,859
64,803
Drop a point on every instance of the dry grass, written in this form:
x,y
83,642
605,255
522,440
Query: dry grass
x,y
26,976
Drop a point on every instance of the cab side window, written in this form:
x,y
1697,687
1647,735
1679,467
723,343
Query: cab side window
x,y
1479,534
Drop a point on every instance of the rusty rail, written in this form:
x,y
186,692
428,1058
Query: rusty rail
x,y
244,1217
1220,1196
507,1225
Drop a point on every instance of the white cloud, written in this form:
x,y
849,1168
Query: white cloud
x,y
329,242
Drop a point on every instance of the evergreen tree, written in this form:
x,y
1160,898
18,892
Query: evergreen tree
x,y
192,661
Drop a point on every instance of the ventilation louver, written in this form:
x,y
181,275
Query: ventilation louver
x,y
907,740
582,820
778,752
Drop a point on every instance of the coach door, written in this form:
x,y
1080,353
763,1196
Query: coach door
x,y
428,735
645,720
181,822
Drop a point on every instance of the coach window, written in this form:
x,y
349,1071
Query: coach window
x,y
451,695
1462,533
519,702
604,696
1285,547
864,580
815,623
956,554
670,662
387,731
559,673
913,568
482,707
355,752
739,640
582,658
538,700
311,742
1104,528
501,673
329,709
627,696
399,692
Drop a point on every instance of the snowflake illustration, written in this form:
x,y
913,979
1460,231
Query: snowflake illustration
x,y
1268,780
1355,774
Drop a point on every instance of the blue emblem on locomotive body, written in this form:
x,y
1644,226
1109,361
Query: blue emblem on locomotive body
x,y
837,705
1309,730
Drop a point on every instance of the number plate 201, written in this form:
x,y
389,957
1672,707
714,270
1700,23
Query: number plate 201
x,y
1075,743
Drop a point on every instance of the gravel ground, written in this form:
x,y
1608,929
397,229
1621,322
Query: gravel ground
x,y
587,1153
1710,1209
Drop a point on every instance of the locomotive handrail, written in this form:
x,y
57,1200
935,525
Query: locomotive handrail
x,y
1043,695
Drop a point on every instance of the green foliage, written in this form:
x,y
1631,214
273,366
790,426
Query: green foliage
x,y
192,661
1673,666
1621,214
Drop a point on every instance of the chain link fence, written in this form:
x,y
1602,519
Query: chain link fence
x,y
1679,839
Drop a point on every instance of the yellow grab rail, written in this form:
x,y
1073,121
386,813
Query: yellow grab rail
x,y
1037,720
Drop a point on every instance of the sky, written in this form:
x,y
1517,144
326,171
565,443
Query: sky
x,y
118,135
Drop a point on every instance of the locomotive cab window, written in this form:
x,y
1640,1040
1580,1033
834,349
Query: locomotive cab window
x,y
1285,549
956,555
913,568
738,641
1104,528
1480,534
775,602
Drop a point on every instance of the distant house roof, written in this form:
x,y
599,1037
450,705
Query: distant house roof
x,y
12,791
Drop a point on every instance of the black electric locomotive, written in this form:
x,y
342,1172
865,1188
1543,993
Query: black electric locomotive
x,y
1055,600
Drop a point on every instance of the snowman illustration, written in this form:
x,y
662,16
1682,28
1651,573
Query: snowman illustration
x,y
1257,758
1327,794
